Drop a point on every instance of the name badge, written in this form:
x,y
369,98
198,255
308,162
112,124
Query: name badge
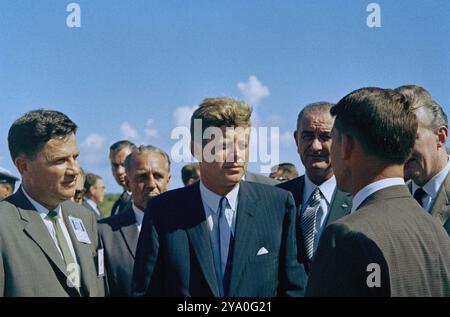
x,y
101,263
80,230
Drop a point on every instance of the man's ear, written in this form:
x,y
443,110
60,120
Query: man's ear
x,y
442,134
22,164
347,144
295,137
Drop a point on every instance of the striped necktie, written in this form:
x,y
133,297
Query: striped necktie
x,y
308,222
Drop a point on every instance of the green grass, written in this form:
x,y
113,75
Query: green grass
x,y
107,204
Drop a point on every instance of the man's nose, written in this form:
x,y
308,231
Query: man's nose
x,y
316,144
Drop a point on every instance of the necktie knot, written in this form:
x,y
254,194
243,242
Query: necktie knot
x,y
316,196
53,215
419,194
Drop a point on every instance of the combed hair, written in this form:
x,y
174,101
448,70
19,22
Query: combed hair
x,y
28,134
316,107
143,149
381,121
218,112
120,145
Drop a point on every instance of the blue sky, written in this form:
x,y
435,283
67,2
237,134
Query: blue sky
x,y
137,68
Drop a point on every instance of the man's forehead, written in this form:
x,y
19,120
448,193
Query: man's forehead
x,y
317,120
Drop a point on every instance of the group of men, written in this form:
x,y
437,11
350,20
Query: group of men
x,y
350,226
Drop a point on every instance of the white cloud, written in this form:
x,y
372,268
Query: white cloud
x,y
94,141
150,130
93,150
253,90
128,132
182,116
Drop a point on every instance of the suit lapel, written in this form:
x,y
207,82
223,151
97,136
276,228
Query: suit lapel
x,y
340,206
441,206
247,208
129,231
83,251
199,237
35,228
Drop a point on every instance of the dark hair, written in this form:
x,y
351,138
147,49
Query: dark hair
x,y
190,171
28,134
90,180
380,120
118,146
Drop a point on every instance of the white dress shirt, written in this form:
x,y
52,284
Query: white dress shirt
x,y
139,214
327,190
373,188
94,206
432,187
43,212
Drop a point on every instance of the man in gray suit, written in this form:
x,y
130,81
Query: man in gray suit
x,y
48,243
387,246
313,140
429,165
147,176
220,236
94,194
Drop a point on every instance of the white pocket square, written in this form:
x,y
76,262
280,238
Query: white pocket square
x,y
262,251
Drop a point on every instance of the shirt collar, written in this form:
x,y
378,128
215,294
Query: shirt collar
x,y
434,184
212,200
39,208
374,187
139,214
326,188
91,203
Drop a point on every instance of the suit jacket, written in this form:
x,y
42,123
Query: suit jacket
x,y
339,207
30,263
440,209
89,207
261,179
119,235
389,240
174,254
124,202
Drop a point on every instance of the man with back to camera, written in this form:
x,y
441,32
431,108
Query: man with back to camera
x,y
387,246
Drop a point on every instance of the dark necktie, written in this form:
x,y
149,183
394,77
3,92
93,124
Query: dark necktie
x,y
419,195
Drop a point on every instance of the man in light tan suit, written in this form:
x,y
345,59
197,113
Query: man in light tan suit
x,y
48,243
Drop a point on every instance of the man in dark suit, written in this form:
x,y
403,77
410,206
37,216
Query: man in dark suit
x,y
260,179
313,140
387,246
48,243
94,194
118,152
429,165
147,176
220,236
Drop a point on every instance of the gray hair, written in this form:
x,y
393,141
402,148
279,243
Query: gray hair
x,y
146,148
435,114
316,107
